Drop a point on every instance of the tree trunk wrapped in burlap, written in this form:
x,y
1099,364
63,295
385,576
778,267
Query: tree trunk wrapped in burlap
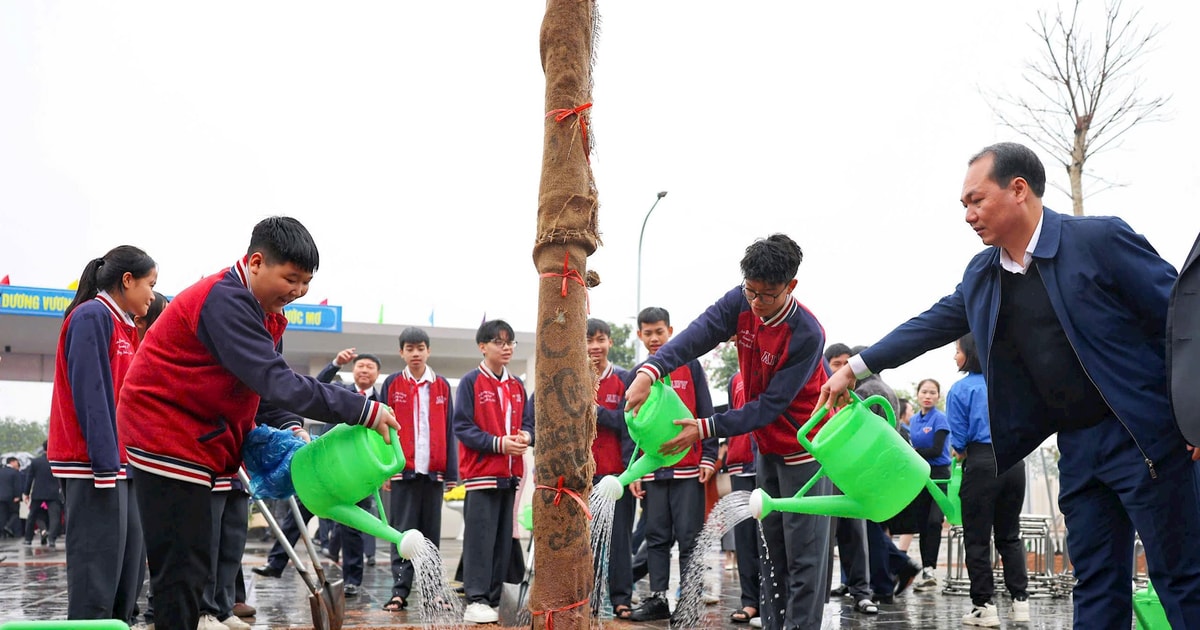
x,y
565,382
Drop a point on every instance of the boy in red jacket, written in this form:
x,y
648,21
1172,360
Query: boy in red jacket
x,y
209,369
493,430
422,404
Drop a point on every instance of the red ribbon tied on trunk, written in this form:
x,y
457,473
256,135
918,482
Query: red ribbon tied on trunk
x,y
563,114
571,274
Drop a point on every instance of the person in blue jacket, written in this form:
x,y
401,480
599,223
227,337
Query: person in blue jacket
x,y
989,500
930,432
1070,318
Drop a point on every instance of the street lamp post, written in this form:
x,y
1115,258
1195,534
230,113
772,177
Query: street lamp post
x,y
637,347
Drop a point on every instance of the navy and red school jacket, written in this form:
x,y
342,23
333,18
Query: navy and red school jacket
x,y
780,360
485,409
691,384
95,347
193,390
402,393
612,447
740,449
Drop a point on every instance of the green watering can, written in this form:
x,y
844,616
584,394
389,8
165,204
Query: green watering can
x,y
653,426
1148,610
344,466
861,453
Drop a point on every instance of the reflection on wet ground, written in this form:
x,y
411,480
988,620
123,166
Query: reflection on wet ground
x,y
33,586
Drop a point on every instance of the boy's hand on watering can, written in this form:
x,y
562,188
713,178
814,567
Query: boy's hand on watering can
x,y
637,392
686,438
387,420
836,391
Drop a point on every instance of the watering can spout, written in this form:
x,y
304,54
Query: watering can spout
x,y
640,467
408,543
832,505
948,501
610,487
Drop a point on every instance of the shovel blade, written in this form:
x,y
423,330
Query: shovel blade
x,y
334,594
320,612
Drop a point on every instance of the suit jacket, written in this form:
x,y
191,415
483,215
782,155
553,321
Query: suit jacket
x,y
1183,346
329,371
10,484
41,484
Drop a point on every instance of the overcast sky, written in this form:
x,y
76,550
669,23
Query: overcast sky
x,y
407,136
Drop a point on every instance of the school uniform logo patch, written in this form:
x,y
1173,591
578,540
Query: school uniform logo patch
x,y
487,397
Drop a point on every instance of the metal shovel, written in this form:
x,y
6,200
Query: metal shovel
x,y
326,599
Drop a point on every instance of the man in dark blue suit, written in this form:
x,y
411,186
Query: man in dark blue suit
x,y
1183,348
10,497
1070,316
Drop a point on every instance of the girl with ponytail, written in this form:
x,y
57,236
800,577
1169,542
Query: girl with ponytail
x,y
95,348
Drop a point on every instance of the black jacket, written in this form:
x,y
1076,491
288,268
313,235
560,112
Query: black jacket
x,y
41,484
10,484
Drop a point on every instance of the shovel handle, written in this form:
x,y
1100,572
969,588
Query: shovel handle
x,y
279,535
302,525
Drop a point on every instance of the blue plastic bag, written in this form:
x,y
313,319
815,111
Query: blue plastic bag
x,y
267,453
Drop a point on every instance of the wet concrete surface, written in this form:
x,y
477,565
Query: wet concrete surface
x,y
33,587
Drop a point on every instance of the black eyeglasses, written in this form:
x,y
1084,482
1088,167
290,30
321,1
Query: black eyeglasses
x,y
500,343
766,298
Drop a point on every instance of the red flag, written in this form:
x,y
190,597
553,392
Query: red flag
x,y
4,280
325,302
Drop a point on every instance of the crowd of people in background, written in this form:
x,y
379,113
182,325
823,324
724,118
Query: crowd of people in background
x,y
152,403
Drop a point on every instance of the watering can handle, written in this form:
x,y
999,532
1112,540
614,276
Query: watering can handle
x,y
819,415
396,445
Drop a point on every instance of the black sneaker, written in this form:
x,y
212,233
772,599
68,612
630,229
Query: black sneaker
x,y
653,608
267,570
840,591
351,590
906,575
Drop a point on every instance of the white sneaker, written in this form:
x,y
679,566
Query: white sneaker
x,y
209,622
1020,610
927,581
756,622
479,612
235,623
984,616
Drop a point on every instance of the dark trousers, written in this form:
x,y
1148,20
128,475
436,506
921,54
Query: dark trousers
x,y
487,543
230,512
353,543
10,517
104,551
929,520
416,504
52,514
620,556
277,558
851,536
991,506
886,559
1107,492
674,513
797,549
745,542
177,523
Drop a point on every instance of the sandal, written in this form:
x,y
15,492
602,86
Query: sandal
x,y
743,615
395,604
866,607
621,611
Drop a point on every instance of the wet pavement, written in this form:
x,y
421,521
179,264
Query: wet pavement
x,y
33,587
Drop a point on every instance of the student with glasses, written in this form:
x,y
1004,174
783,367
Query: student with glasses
x,y
494,427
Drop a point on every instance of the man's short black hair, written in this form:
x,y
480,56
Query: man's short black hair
x,y
494,329
598,326
368,357
773,260
283,240
653,315
414,336
1011,160
11,460
836,350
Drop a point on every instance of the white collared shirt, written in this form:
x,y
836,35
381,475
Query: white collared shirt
x,y
421,419
1012,266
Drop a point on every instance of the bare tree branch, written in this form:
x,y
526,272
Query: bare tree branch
x,y
1085,92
